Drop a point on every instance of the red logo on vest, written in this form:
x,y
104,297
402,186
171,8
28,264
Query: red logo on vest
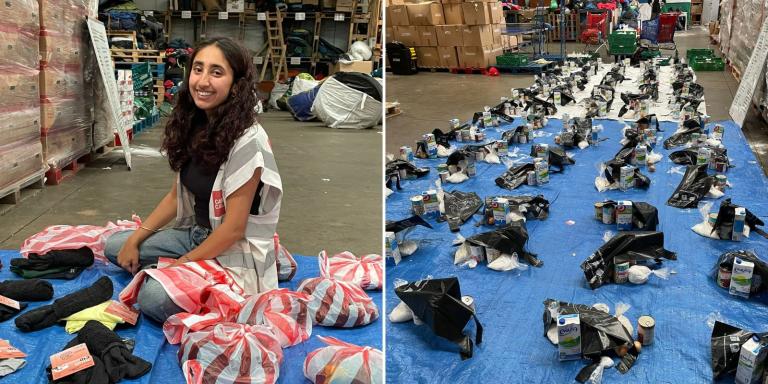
x,y
218,204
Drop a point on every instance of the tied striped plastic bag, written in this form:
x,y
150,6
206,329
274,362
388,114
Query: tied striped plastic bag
x,y
285,312
337,303
342,363
231,353
286,265
367,272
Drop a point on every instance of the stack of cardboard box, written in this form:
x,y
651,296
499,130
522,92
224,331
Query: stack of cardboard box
x,y
452,34
67,117
20,150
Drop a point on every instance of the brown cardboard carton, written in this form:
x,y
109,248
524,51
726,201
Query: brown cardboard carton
x,y
427,36
425,13
478,57
355,66
477,35
513,41
389,34
327,4
428,57
496,12
449,35
407,35
453,13
448,58
496,31
345,5
476,13
395,2
397,15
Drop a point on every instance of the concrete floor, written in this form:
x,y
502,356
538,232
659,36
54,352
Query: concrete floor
x,y
331,181
428,100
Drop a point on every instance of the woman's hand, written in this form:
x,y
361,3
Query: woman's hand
x,y
179,261
128,258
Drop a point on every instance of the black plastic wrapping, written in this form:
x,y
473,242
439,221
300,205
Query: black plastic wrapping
x,y
629,98
759,274
532,207
689,156
725,217
645,217
683,136
693,187
442,138
410,169
437,302
556,157
515,176
401,225
361,82
638,247
510,239
726,345
461,205
541,107
601,332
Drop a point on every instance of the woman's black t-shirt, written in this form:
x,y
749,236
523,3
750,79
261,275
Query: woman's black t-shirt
x,y
199,181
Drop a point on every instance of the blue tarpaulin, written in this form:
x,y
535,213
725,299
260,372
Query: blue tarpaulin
x,y
150,342
510,304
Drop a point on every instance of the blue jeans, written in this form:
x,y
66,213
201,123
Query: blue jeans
x,y
172,243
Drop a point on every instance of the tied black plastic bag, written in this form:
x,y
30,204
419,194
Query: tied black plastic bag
x,y
645,217
411,171
641,247
442,138
515,176
693,187
437,302
683,135
725,218
601,332
512,136
630,102
508,240
401,225
556,157
566,97
532,207
540,107
689,156
461,205
759,275
726,345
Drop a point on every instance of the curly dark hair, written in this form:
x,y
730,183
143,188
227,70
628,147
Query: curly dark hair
x,y
191,133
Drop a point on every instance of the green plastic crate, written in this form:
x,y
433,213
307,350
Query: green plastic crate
x,y
699,52
650,54
512,60
622,43
701,64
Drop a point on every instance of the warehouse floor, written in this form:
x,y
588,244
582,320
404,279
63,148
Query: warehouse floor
x,y
429,100
331,181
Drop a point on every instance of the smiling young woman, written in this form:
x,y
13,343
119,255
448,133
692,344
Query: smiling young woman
x,y
224,168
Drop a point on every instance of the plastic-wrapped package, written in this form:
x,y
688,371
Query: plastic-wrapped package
x,y
367,271
726,342
438,303
63,146
19,161
339,105
19,126
760,273
215,355
747,14
694,185
337,303
507,240
286,265
19,87
20,47
284,311
344,363
58,48
63,114
639,274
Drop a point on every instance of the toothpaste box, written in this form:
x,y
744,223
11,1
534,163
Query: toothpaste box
x,y
741,278
740,215
751,362
624,215
569,337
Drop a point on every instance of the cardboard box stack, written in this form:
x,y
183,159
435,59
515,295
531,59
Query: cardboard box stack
x,y
452,34
20,150
67,118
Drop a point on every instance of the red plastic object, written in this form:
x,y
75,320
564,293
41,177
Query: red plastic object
x,y
493,71
667,23
596,25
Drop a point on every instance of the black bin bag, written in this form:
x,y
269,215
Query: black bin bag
x,y
437,302
515,176
510,239
461,205
411,170
601,332
532,207
645,217
693,187
401,225
683,136
760,273
640,247
556,157
725,218
726,345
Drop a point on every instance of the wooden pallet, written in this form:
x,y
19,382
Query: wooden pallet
x,y
469,71
56,175
734,71
434,69
12,194
393,109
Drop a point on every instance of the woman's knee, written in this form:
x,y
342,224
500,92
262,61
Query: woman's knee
x,y
114,243
154,302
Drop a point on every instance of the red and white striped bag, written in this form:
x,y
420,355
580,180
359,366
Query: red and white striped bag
x,y
337,303
284,311
231,353
58,237
286,265
366,271
342,363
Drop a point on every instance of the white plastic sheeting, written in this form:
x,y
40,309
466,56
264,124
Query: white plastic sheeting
x,y
340,106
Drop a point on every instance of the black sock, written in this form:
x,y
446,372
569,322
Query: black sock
x,y
120,363
82,257
27,290
7,312
93,375
48,315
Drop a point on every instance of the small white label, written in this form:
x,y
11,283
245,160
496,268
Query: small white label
x,y
186,14
295,60
300,16
258,60
149,13
223,15
338,17
261,16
